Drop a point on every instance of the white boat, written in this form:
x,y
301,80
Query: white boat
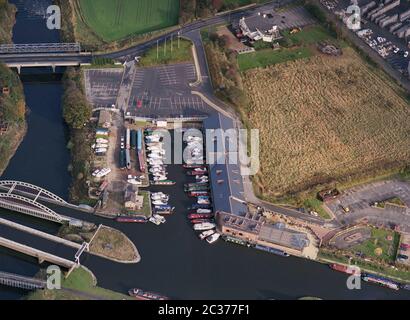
x,y
94,174
160,178
101,140
103,172
204,226
206,234
159,218
155,162
213,238
200,210
155,156
155,221
204,201
101,145
160,197
158,194
101,150
159,202
134,182
155,145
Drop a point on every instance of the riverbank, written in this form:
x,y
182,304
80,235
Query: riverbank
x,y
8,18
13,126
77,113
80,285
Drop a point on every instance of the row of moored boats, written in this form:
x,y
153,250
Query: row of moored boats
x,y
201,213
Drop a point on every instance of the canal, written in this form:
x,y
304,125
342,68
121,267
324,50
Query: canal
x,y
174,262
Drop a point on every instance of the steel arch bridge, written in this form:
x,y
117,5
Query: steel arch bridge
x,y
11,186
28,206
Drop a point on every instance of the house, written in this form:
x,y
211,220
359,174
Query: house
x,y
259,28
133,201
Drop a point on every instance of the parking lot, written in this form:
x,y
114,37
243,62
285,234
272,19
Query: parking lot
x,y
294,17
403,250
385,48
164,91
102,86
359,200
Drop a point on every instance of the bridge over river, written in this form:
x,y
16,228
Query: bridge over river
x,y
43,55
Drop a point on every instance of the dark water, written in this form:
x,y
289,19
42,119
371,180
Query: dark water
x,y
174,262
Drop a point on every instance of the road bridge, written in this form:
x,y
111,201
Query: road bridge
x,y
42,256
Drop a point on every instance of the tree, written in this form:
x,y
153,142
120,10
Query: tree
x,y
76,111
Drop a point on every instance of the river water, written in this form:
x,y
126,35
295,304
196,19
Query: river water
x,y
174,262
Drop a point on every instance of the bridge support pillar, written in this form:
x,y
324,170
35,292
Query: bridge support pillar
x,y
19,69
40,260
53,66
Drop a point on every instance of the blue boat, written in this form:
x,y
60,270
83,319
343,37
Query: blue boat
x,y
272,250
139,140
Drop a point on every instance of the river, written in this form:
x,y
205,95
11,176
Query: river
x,y
174,262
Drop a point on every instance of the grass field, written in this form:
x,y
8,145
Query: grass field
x,y
266,57
379,241
164,55
325,119
293,46
78,286
116,19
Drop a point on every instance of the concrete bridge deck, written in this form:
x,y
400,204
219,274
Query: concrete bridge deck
x,y
45,250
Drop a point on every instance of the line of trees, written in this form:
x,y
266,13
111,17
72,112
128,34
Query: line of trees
x,y
193,9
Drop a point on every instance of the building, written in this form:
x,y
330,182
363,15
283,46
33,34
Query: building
x,y
259,28
255,229
104,120
133,201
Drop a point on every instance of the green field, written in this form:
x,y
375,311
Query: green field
x,y
379,240
116,19
164,55
293,46
266,57
78,286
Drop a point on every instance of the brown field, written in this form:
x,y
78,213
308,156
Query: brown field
x,y
324,120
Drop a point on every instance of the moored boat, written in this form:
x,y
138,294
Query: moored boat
x,y
272,250
343,268
206,234
163,183
131,219
380,280
213,238
146,295
200,216
204,226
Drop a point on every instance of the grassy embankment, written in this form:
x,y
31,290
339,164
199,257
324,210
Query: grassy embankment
x,y
12,105
164,54
77,113
80,285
